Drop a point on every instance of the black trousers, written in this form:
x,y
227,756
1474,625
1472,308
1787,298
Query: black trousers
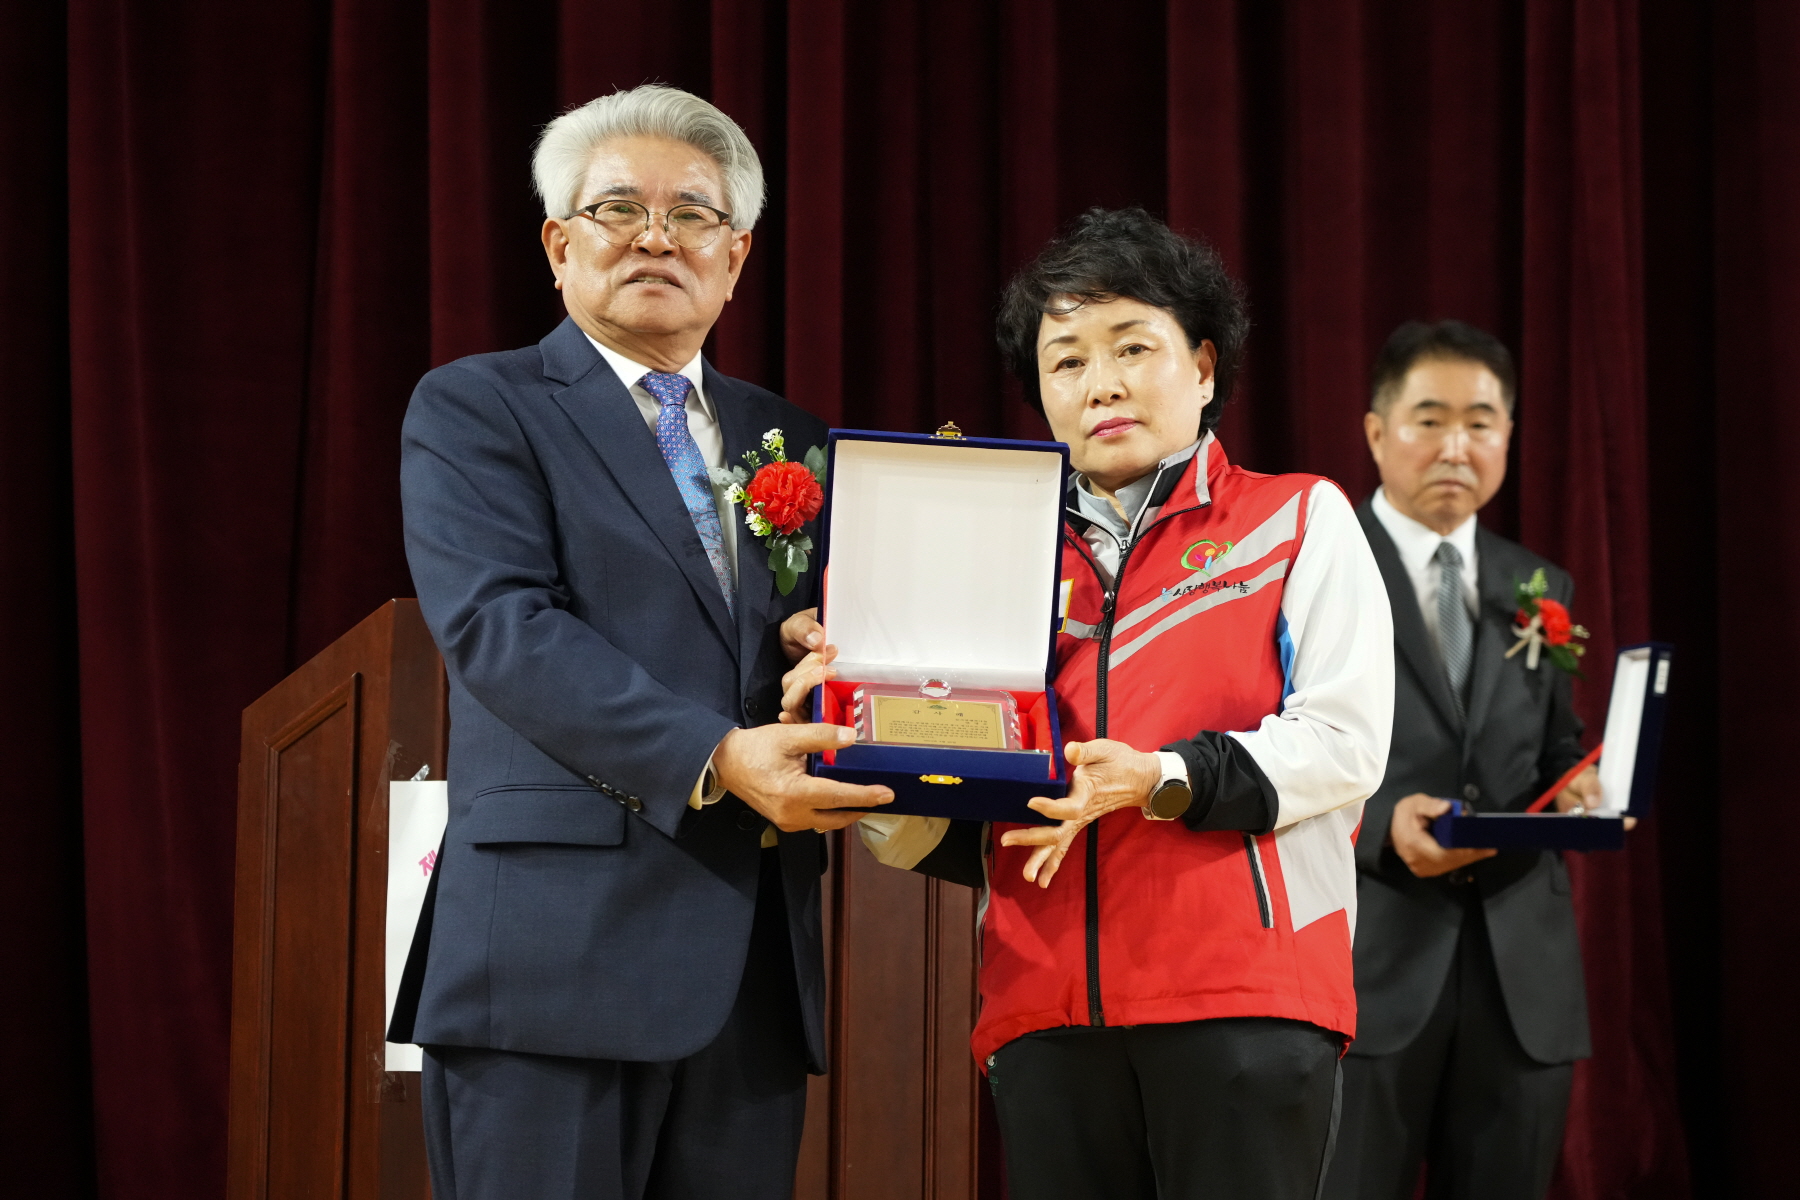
x,y
1464,1098
1221,1109
723,1124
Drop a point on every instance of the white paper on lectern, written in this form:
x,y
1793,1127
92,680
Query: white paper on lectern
x,y
417,813
1624,718
943,563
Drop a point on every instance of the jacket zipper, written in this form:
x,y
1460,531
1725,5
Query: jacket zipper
x,y
1097,1011
1256,879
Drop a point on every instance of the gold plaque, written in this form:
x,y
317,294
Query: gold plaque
x,y
921,721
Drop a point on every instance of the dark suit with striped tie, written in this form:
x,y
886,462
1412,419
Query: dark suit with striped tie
x,y
1471,1005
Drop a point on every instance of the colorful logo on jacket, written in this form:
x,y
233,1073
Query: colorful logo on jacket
x,y
1202,554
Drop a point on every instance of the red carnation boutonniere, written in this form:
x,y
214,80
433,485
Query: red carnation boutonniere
x,y
1544,627
778,497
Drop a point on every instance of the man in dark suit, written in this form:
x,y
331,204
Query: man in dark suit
x,y
623,988
1470,1003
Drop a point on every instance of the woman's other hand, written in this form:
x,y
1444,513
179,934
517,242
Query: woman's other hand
x,y
803,641
801,634
1108,775
801,679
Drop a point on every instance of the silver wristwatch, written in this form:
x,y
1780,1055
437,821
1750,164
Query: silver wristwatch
x,y
1172,796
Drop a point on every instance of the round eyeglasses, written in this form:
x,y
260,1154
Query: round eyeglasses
x,y
622,222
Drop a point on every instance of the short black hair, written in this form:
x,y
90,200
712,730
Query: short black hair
x,y
1416,342
1127,253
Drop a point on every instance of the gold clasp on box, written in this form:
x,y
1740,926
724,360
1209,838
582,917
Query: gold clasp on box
x,y
948,430
940,779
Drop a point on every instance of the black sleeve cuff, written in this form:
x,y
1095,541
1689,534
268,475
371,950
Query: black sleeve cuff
x,y
1230,790
957,856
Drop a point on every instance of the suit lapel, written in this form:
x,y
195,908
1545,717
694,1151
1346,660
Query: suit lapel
x,y
755,582
1409,623
1494,587
611,422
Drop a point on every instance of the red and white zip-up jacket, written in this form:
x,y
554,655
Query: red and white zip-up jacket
x,y
1246,605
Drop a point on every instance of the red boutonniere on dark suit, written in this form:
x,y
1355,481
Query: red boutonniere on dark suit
x,y
1544,628
777,500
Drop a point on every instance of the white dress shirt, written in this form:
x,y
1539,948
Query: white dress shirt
x,y
703,425
1418,545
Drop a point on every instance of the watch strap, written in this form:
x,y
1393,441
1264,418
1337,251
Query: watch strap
x,y
1174,770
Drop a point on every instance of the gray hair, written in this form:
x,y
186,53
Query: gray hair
x,y
566,147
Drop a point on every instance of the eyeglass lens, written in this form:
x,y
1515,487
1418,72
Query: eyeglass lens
x,y
621,222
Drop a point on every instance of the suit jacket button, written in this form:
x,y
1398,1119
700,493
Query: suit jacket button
x,y
1471,793
749,819
753,708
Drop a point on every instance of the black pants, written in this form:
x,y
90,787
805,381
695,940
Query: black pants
x,y
1463,1097
723,1124
1222,1109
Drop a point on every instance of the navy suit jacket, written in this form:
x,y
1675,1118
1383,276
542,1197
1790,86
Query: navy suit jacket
x,y
581,907
1520,734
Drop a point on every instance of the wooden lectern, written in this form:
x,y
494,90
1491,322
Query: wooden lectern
x,y
314,1116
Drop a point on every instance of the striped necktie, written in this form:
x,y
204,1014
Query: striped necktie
x,y
1456,634
682,454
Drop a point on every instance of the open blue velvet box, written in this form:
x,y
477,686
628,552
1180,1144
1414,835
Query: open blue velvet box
x,y
941,561
1631,745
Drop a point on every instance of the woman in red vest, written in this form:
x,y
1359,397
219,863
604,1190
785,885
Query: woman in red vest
x,y
1166,977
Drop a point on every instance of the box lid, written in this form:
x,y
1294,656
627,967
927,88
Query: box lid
x,y
942,558
1633,737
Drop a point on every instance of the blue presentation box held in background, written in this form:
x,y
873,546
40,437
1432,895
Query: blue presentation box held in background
x,y
1631,745
1460,828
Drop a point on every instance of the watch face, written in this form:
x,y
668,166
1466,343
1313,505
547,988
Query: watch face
x,y
1170,800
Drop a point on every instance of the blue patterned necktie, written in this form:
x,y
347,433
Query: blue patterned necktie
x,y
682,454
1455,637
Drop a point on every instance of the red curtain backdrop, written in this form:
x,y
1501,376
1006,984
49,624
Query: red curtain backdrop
x,y
45,1131
233,236
1757,435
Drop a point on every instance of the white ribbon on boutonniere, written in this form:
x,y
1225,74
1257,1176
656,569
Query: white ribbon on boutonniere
x,y
1543,627
1531,640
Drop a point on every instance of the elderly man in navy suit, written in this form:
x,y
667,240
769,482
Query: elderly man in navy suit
x,y
623,981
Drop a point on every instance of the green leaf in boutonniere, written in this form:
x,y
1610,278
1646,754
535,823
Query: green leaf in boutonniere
x,y
730,478
787,558
815,462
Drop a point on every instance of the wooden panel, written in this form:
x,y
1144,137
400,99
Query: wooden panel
x,y
951,1082
896,1118
312,773
879,1103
